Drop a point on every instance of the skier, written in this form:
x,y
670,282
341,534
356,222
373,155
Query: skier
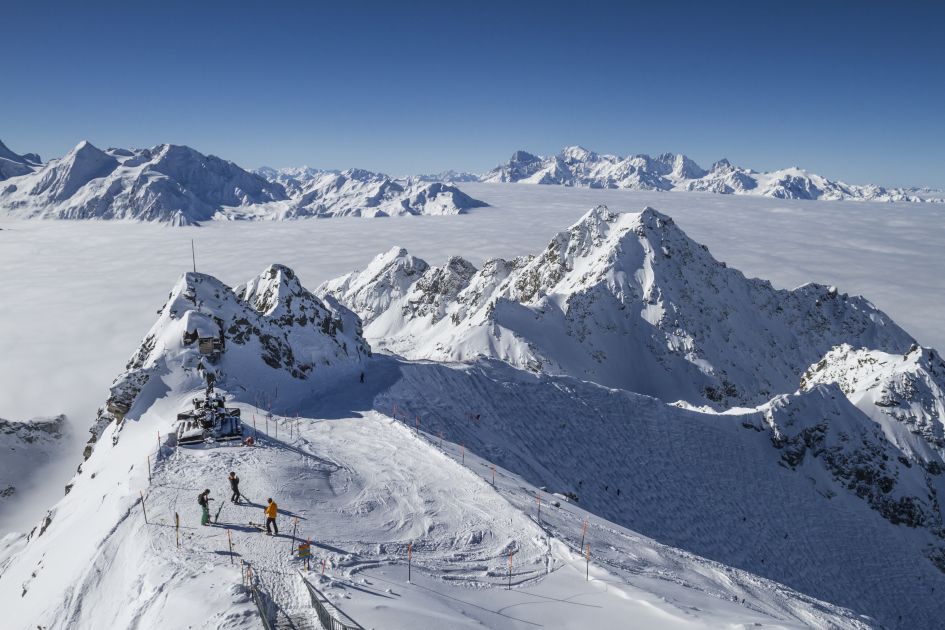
x,y
271,510
203,499
235,485
362,377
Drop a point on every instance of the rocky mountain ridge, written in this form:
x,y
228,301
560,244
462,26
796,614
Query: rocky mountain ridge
x,y
625,300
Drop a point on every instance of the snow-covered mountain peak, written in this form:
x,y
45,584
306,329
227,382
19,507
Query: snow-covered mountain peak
x,y
577,154
624,299
268,330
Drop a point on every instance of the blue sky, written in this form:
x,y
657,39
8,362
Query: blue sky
x,y
852,90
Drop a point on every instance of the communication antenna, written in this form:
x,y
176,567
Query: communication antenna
x,y
193,254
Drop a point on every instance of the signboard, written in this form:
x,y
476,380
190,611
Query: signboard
x,y
305,550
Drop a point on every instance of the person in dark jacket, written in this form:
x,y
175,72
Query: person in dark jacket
x,y
203,499
235,486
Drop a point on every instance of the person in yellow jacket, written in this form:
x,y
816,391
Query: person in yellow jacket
x,y
271,510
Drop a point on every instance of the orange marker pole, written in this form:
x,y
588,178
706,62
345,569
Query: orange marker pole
x,y
229,539
587,556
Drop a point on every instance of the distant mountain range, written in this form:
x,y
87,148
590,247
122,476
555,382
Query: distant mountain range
x,y
577,166
177,185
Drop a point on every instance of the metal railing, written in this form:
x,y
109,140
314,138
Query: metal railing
x,y
263,609
328,620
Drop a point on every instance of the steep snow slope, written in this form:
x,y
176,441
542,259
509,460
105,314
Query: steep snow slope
x,y
804,490
363,485
168,184
626,300
357,192
13,164
576,166
904,393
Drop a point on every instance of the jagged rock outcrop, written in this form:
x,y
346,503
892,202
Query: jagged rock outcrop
x,y
269,329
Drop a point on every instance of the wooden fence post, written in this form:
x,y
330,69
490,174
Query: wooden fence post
x,y
143,509
229,539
